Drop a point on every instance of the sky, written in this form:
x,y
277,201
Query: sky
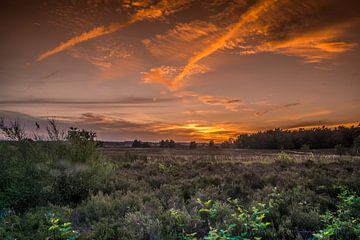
x,y
182,70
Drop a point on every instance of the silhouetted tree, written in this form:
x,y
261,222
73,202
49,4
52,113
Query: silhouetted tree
x,y
193,145
167,143
315,138
140,144
211,144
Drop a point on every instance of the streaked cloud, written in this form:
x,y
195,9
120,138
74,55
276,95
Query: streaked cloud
x,y
210,68
313,46
120,101
252,14
165,74
182,40
272,108
230,104
162,8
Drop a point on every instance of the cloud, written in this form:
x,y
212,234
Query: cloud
x,y
182,40
272,108
313,30
165,74
103,55
230,104
162,8
252,14
313,46
200,131
120,101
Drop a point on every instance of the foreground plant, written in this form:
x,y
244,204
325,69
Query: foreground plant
x,y
345,222
61,230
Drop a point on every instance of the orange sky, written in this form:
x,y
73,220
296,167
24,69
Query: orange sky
x,y
186,69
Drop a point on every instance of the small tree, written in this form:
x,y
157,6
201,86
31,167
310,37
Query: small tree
x,y
136,143
172,144
211,144
82,144
193,145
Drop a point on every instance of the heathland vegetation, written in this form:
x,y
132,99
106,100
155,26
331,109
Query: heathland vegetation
x,y
70,188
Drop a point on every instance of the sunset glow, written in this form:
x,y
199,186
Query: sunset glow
x,y
183,70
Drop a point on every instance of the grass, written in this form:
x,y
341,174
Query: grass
x,y
70,190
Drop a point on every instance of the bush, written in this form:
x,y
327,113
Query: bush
x,y
38,223
35,173
345,222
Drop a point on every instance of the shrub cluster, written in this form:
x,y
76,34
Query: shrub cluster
x,y
66,189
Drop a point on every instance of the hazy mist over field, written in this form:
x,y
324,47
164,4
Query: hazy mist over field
x,y
185,69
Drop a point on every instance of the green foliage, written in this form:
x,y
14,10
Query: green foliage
x,y
345,222
242,224
24,172
82,145
35,173
60,230
38,223
152,195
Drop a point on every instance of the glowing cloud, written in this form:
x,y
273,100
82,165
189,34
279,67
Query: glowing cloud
x,y
163,8
249,16
313,46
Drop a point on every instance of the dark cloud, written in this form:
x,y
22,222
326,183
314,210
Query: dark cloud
x,y
277,108
122,101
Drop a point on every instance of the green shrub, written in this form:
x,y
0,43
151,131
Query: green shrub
x,y
38,223
24,172
142,226
345,222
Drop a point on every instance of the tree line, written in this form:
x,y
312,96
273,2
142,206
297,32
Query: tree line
x,y
315,138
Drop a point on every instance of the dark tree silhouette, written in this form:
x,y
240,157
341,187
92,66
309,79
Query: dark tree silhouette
x,y
315,138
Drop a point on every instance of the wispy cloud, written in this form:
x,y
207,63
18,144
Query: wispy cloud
x,y
165,74
182,40
266,26
121,101
231,104
252,14
272,108
313,46
162,8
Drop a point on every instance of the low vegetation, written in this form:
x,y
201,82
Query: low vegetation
x,y
70,189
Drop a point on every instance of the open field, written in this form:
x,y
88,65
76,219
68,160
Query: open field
x,y
157,193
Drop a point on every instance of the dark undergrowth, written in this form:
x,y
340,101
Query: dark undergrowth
x,y
67,190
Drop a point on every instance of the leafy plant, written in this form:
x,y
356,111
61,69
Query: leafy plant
x,y
243,224
61,230
345,222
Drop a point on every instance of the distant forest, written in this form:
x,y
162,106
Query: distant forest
x,y
315,138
